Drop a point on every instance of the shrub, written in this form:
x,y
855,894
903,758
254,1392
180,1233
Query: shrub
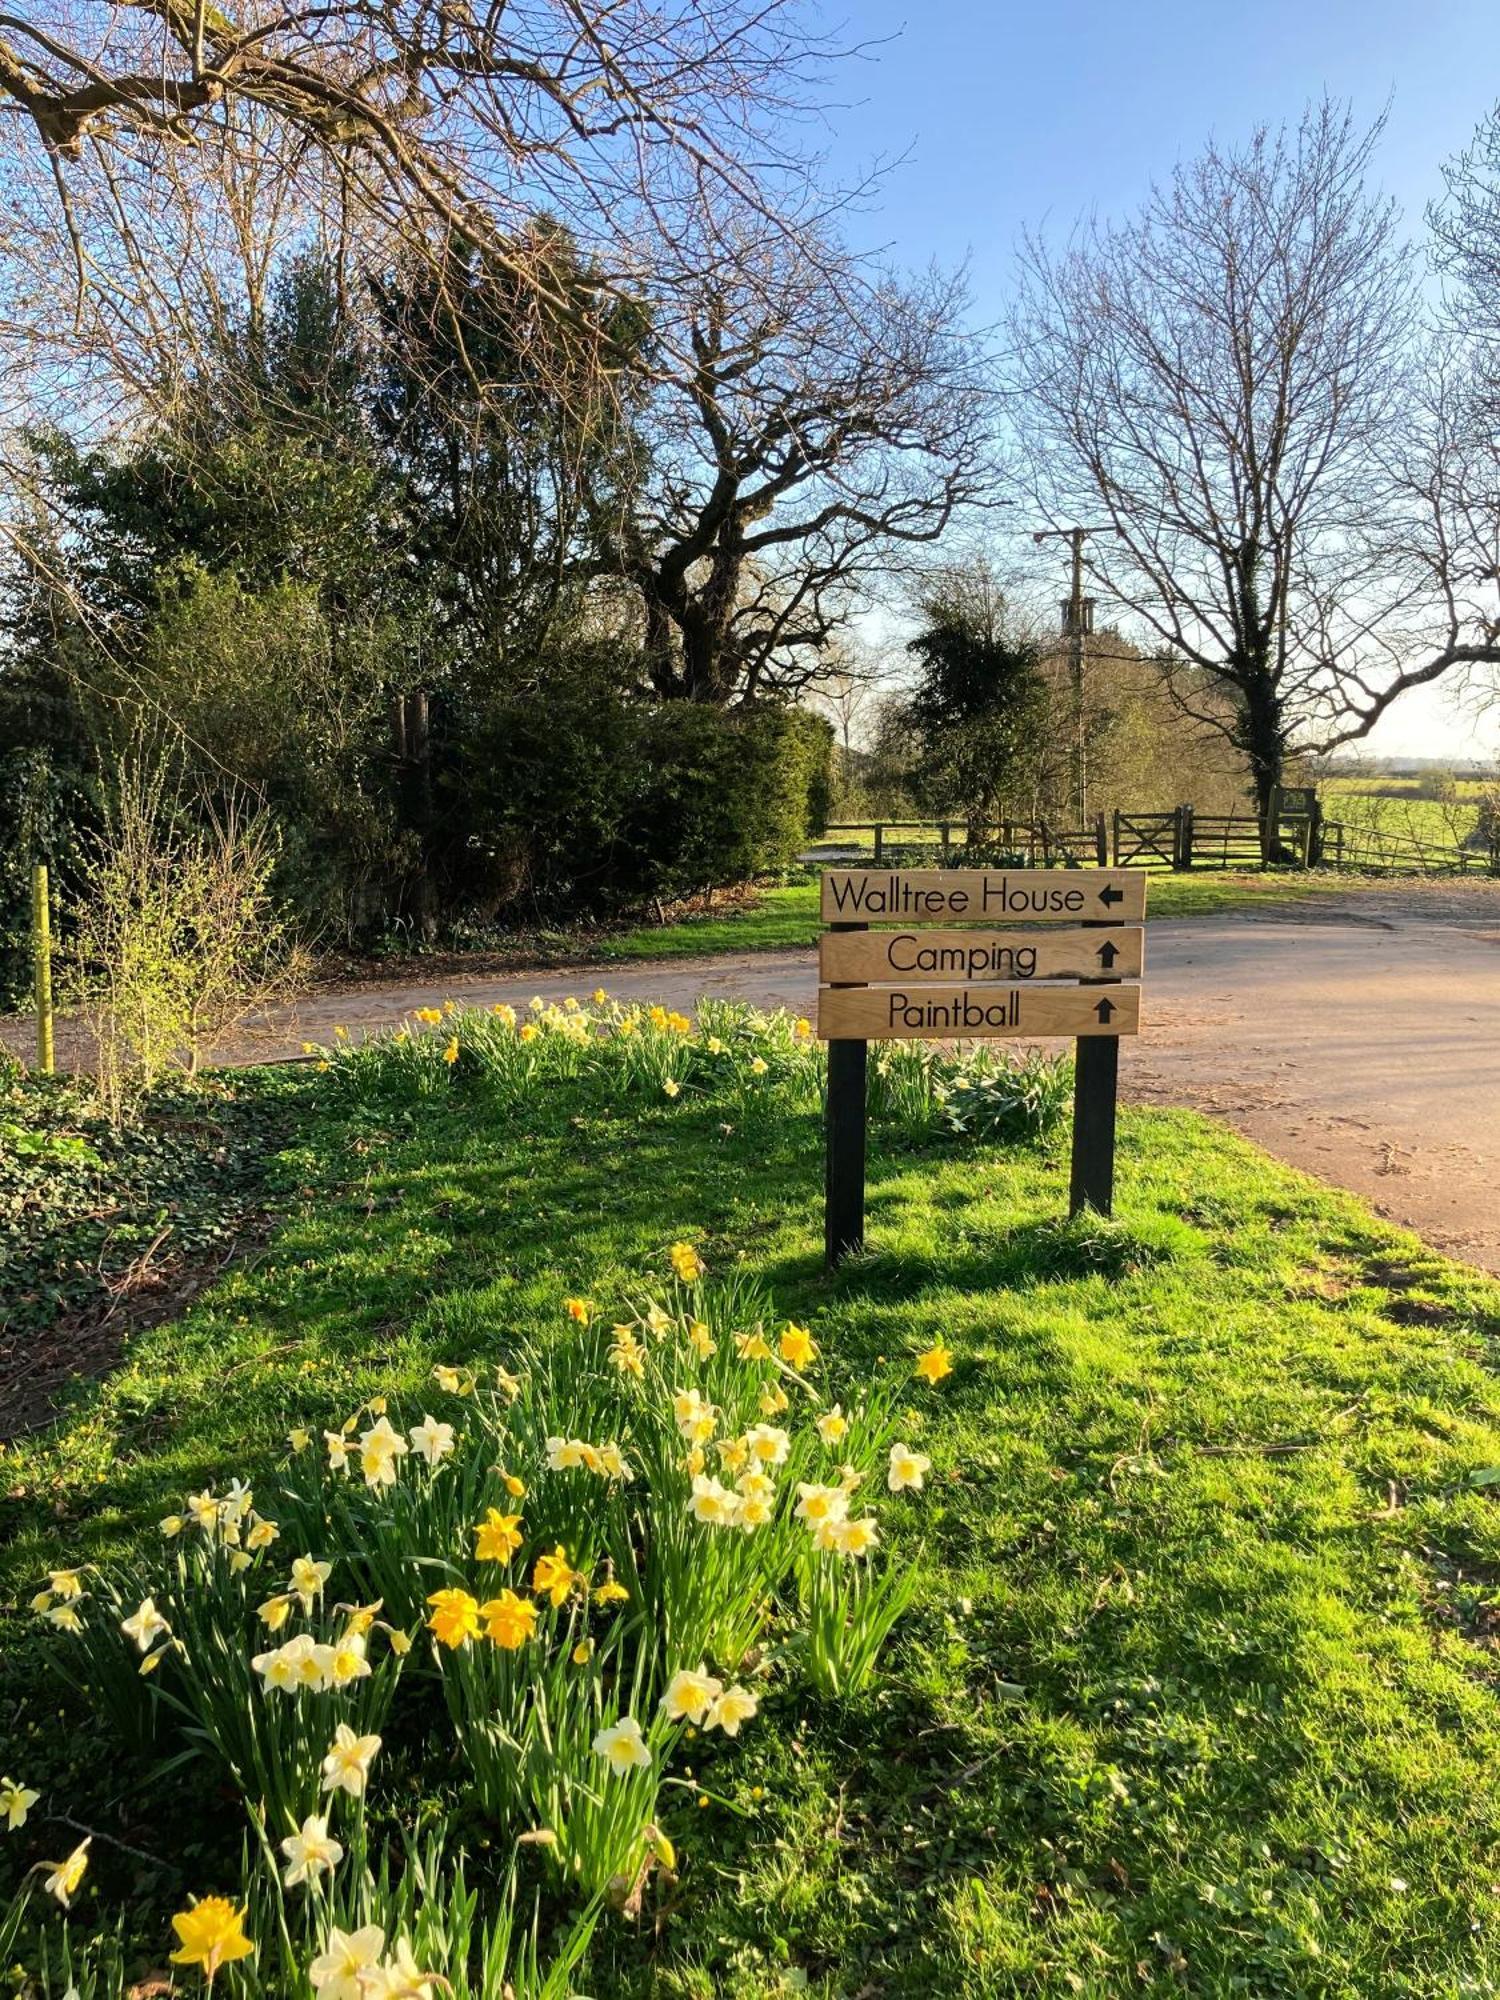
x,y
177,938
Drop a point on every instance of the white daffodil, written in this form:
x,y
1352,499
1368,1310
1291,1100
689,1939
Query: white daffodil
x,y
310,1851
623,1747
908,1469
433,1440
347,1765
145,1626
342,1969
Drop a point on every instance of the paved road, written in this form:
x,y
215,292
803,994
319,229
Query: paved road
x,y
1364,1049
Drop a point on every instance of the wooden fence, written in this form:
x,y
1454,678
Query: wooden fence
x,y
1181,838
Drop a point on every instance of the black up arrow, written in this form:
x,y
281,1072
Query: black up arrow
x,y
1110,896
1105,1011
1107,955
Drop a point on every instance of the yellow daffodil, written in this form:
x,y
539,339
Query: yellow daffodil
x,y
816,1504
455,1618
65,1583
16,1802
64,1878
610,1592
515,1487
347,1765
696,1420
623,1747
856,1538
509,1385
578,1310
554,1576
759,1066
686,1262
65,1617
773,1400
509,1621
671,1088
450,1054
310,1852
798,1347
803,1030
582,1653
504,1013
935,1363
701,1340
447,1379
172,1525
262,1533
757,1485
298,1438
689,1696
210,1934
433,1440
752,1346
734,1454
274,1613
907,1469
497,1536
428,1016
529,1031
567,1454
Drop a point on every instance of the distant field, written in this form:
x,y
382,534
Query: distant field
x,y
1403,815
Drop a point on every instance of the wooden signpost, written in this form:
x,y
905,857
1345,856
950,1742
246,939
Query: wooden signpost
x,y
929,976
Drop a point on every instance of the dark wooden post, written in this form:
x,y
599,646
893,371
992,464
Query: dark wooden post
x,y
1101,840
1184,836
844,1166
1117,836
879,836
1096,1090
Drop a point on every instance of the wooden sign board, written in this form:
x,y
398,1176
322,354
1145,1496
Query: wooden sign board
x,y
979,895
974,1013
898,958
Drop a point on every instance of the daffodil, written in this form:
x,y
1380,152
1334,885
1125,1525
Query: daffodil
x,y
701,1339
658,1322
578,1310
347,1764
731,1709
689,1696
907,1469
712,1503
769,1445
671,1088
509,1385
623,1747
752,1346
509,1621
274,1613
288,1669
64,1878
554,1576
446,1378
145,1625
338,1451
262,1533
935,1363
758,1066
428,1016
820,1503
379,1449
310,1852
833,1426
399,1977
16,1802
497,1536
566,1454
298,1438
610,1592
613,1463
773,1400
172,1525
515,1487
696,1420
627,1354
798,1348
308,1579
856,1538
65,1617
432,1439
210,1934
582,1653
686,1263
65,1583
341,1970
455,1618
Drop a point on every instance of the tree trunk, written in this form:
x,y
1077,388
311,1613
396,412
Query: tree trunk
x,y
1263,740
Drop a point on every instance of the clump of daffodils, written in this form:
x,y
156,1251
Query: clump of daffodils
x,y
586,1544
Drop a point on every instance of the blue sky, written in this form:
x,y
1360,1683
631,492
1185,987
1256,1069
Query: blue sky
x,y
1015,116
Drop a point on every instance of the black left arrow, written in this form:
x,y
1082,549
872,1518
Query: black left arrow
x,y
1107,955
1110,896
1105,1011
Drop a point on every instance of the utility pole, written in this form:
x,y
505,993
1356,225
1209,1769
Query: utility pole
x,y
1077,624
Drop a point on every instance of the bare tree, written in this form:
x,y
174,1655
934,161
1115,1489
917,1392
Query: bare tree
x,y
1218,384
828,426
430,114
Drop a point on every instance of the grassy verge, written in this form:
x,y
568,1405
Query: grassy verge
x,y
1199,1693
786,918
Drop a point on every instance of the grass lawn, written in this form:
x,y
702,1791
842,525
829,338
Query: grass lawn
x,y
786,918
1199,1693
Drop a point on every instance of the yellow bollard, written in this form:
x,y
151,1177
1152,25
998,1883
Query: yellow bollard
x,y
41,947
